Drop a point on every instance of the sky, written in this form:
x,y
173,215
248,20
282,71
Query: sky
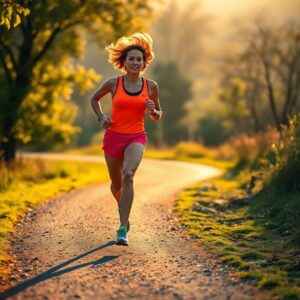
x,y
233,8
226,13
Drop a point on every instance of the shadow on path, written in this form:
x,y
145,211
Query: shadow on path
x,y
57,270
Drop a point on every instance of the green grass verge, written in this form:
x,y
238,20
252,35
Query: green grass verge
x,y
36,182
231,226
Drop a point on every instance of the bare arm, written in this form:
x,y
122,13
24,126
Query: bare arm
x,y
108,86
153,103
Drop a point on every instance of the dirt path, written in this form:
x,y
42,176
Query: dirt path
x,y
65,248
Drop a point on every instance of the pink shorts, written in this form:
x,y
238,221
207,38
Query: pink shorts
x,y
115,143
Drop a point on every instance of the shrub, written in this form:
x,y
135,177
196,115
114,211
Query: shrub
x,y
286,169
279,199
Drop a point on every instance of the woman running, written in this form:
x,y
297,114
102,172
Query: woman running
x,y
125,137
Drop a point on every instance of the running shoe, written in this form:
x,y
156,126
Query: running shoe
x,y
128,224
122,239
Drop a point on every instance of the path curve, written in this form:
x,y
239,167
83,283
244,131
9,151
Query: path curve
x,y
65,247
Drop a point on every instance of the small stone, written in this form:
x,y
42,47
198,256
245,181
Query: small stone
x,y
207,272
27,269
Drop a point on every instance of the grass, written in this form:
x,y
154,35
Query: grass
x,y
34,182
184,151
233,227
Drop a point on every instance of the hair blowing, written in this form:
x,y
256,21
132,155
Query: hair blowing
x,y
118,51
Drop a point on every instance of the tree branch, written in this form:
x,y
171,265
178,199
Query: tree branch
x,y
271,94
50,40
71,24
263,57
46,45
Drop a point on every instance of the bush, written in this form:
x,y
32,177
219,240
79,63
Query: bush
x,y
279,199
286,169
249,152
253,147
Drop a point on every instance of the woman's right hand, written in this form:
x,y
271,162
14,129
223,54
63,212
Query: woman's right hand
x,y
106,122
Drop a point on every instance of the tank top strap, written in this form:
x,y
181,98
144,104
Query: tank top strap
x,y
119,86
145,87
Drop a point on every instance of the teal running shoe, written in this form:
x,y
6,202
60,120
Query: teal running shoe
x,y
128,223
122,239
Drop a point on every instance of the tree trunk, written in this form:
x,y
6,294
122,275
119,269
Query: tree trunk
x,y
9,149
17,94
8,144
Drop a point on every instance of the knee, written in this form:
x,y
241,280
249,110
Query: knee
x,y
127,176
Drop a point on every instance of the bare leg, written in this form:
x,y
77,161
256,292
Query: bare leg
x,y
132,158
114,166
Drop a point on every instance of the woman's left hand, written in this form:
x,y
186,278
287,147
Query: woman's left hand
x,y
150,105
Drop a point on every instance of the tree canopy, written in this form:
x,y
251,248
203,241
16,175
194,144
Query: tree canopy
x,y
40,69
261,84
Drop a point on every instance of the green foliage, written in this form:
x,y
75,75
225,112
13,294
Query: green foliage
x,y
11,12
279,199
174,92
212,130
261,254
47,112
232,96
285,172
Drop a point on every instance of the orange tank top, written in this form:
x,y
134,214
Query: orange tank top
x,y
129,109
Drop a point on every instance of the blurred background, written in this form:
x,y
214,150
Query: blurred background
x,y
229,85
224,68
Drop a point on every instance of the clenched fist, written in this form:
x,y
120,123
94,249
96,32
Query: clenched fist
x,y
150,105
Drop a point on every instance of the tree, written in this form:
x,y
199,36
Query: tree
x,y
268,67
38,73
174,91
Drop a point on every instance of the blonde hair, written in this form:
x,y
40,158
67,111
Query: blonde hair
x,y
117,52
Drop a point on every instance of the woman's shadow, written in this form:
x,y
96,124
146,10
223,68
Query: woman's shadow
x,y
58,270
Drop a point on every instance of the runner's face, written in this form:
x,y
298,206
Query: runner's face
x,y
134,61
